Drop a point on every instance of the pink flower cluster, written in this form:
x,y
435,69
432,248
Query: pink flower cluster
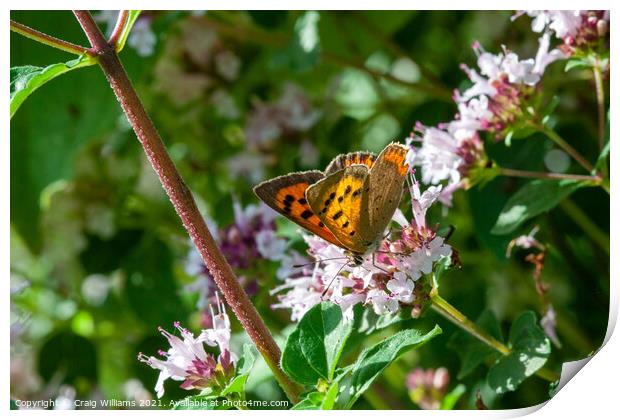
x,y
387,279
187,360
578,29
250,237
499,101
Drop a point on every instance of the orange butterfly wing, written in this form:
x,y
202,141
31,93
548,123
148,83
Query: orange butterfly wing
x,y
346,160
286,195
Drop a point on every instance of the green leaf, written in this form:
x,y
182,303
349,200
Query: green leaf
x,y
472,351
26,79
579,62
534,198
312,401
313,349
368,322
530,351
330,397
59,120
450,400
244,366
374,360
131,19
318,400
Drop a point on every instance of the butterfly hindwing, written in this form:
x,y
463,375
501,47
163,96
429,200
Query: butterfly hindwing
x,y
385,180
340,201
286,195
356,158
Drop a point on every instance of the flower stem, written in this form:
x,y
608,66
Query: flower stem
x,y
600,103
118,28
48,39
184,203
441,306
557,139
583,221
547,175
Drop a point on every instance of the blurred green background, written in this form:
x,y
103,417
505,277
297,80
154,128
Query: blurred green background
x,y
98,254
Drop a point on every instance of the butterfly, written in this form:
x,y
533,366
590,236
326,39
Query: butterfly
x,y
350,205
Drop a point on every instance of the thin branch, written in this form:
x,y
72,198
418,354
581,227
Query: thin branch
x,y
449,312
547,175
118,29
184,204
600,103
48,39
557,139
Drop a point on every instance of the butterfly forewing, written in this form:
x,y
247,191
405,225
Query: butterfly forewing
x,y
339,200
355,158
286,195
385,180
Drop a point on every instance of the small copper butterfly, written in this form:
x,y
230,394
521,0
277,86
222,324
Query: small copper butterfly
x,y
350,205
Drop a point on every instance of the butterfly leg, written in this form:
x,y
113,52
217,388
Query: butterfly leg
x,y
374,264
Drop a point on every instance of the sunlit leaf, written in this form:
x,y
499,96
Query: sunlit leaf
x,y
26,79
534,198
530,349
131,20
372,361
313,349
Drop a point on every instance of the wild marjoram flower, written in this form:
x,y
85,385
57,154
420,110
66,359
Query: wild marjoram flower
x,y
448,152
187,360
250,237
501,97
386,280
578,29
499,101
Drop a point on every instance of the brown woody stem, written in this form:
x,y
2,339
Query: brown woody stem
x,y
184,203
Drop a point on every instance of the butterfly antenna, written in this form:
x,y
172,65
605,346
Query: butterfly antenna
x,y
333,278
392,253
318,261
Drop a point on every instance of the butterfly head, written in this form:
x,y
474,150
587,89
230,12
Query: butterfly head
x,y
355,260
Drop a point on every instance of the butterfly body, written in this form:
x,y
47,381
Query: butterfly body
x,y
350,205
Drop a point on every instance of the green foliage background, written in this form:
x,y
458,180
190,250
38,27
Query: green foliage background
x,y
84,200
